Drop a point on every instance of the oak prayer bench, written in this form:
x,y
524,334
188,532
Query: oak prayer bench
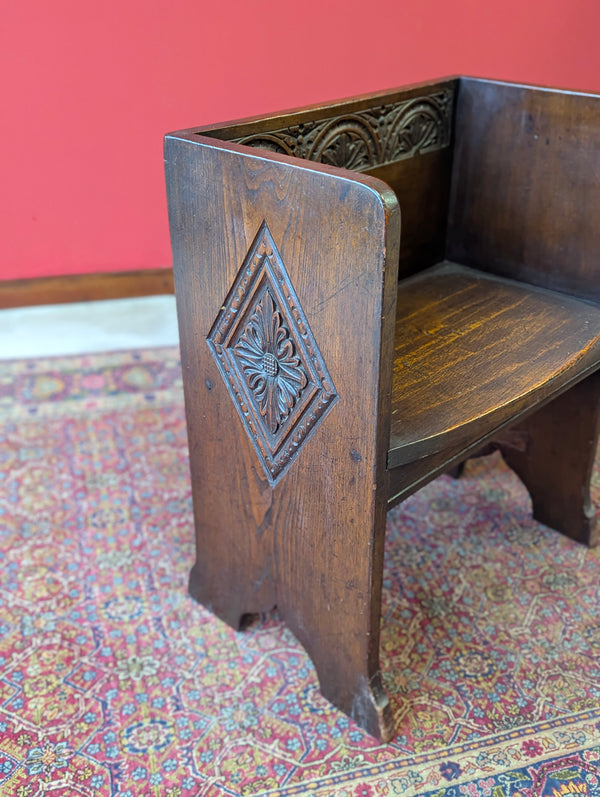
x,y
333,364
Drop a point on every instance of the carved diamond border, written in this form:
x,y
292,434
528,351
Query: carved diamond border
x,y
279,438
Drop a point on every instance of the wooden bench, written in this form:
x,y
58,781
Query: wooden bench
x,y
333,365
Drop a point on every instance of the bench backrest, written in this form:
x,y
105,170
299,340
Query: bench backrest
x,y
498,176
525,199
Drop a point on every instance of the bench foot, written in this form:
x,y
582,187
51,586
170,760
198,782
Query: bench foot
x,y
347,680
332,604
234,606
557,463
371,709
344,670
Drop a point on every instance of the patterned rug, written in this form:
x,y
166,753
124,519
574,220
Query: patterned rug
x,y
114,682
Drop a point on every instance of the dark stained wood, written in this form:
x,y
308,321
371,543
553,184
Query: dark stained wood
x,y
473,351
402,137
456,471
85,287
258,537
557,461
422,185
526,185
319,390
274,131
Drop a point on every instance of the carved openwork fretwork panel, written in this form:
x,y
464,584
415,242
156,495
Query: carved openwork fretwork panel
x,y
269,359
368,138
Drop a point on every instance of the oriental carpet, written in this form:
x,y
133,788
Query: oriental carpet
x,y
114,682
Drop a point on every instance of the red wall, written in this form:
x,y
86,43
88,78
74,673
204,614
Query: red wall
x,y
92,87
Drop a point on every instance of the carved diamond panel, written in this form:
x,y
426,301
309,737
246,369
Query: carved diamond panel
x,y
269,359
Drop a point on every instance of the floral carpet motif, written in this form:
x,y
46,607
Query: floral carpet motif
x,y
114,682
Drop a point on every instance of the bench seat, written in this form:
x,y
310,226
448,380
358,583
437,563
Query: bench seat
x,y
474,351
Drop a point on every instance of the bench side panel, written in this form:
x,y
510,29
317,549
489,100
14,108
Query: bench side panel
x,y
285,278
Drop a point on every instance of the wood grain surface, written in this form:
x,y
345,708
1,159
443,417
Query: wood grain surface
x,y
311,541
473,351
286,248
526,185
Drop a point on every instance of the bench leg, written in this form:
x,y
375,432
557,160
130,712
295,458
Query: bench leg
x,y
324,577
557,463
456,471
337,620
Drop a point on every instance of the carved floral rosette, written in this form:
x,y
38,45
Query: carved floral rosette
x,y
268,358
365,139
